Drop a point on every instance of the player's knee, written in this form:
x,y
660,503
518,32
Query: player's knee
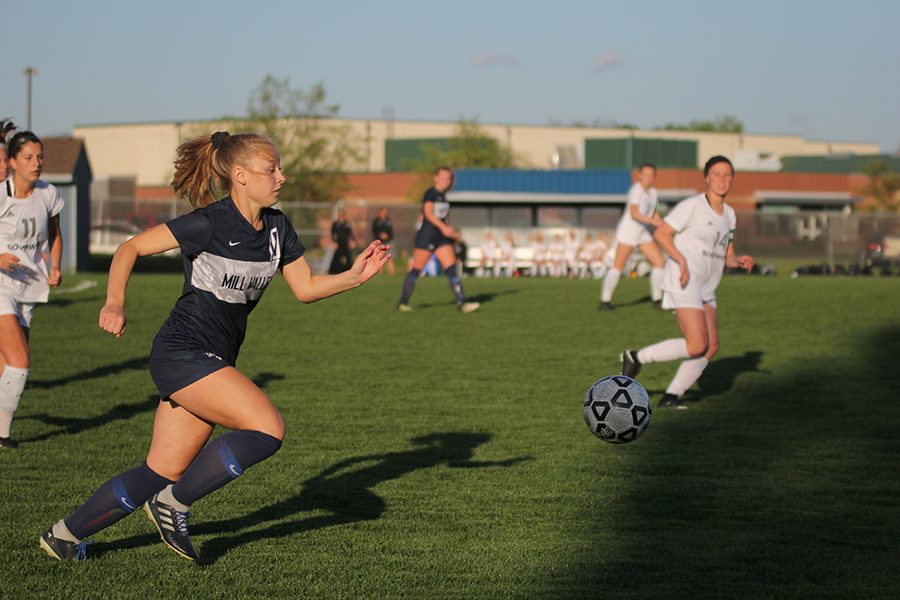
x,y
696,348
18,357
712,350
272,424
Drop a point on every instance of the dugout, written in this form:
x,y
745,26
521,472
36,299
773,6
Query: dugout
x,y
67,167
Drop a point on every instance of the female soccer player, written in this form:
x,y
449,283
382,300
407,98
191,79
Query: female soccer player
x,y
698,237
633,230
435,237
29,231
231,250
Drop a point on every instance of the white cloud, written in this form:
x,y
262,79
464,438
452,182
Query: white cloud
x,y
489,59
605,61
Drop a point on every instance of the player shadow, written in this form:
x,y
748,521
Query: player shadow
x,y
134,364
480,298
719,376
344,491
636,302
73,425
263,379
66,302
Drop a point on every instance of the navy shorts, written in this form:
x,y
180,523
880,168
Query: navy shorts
x,y
178,370
430,237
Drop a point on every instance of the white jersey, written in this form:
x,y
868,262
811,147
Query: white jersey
x,y
702,236
24,231
630,231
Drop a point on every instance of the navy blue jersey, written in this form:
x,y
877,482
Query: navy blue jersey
x,y
227,267
440,207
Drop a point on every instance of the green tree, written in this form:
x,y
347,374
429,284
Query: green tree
x,y
315,150
883,186
470,147
723,124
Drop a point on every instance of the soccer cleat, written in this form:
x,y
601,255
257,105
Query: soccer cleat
x,y
671,401
404,308
605,307
172,526
657,305
62,549
467,307
8,444
631,366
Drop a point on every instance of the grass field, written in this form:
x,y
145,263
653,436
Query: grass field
x,y
434,454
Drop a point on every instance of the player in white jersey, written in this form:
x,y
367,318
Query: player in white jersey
x,y
634,229
698,237
29,233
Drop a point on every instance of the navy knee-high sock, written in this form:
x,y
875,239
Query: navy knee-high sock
x,y
456,283
409,284
222,460
115,499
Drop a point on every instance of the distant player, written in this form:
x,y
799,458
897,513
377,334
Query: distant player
x,y
232,248
383,231
30,238
435,237
698,237
634,229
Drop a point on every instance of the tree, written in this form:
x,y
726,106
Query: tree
x,y
723,124
470,147
883,186
315,150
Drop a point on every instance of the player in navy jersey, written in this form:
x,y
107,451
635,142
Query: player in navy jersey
x,y
698,237
30,238
435,237
232,248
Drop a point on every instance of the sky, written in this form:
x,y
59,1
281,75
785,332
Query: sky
x,y
821,69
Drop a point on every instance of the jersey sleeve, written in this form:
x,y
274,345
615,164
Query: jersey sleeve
x,y
430,195
680,216
634,195
56,202
291,246
192,231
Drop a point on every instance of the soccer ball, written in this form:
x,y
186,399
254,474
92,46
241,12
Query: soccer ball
x,y
617,409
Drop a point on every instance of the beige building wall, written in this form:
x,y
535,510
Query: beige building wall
x,y
147,151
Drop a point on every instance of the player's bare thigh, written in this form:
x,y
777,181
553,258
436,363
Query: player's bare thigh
x,y
178,437
653,253
14,342
420,258
712,329
446,255
623,251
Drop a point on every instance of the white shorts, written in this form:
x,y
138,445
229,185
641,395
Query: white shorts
x,y
22,310
694,295
632,234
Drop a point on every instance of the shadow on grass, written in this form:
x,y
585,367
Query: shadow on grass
x,y
480,298
719,376
119,412
787,489
73,425
344,490
134,364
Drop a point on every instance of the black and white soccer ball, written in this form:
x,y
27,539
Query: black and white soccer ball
x,y
617,409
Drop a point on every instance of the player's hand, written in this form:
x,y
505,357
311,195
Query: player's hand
x,y
448,231
746,262
370,261
54,278
112,319
684,275
8,262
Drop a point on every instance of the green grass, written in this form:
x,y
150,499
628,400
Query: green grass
x,y
434,454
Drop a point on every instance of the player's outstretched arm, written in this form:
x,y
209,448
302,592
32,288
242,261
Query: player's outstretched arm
x,y
310,288
153,241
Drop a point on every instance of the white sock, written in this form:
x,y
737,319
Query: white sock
x,y
609,284
60,531
656,276
688,373
166,497
663,351
12,385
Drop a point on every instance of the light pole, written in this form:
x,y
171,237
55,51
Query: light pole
x,y
29,72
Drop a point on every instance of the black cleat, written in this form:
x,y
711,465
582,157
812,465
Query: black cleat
x,y
657,305
62,549
172,526
605,307
631,366
671,401
8,444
